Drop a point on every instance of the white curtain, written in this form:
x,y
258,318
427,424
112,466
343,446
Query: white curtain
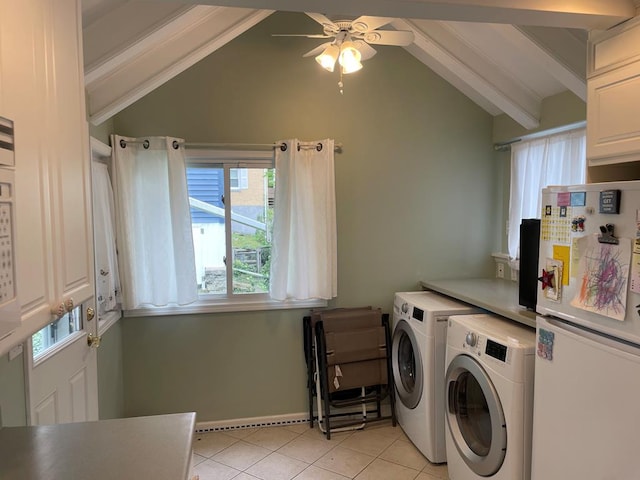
x,y
304,258
155,242
535,164
108,278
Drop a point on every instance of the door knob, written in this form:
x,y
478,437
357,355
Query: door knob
x,y
93,340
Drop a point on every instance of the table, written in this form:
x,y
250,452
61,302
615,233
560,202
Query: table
x,y
493,294
155,447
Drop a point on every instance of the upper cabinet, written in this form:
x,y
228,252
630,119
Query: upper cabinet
x,y
613,96
42,91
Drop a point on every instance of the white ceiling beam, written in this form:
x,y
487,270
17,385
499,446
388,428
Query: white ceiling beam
x,y
470,73
124,78
551,64
585,14
139,27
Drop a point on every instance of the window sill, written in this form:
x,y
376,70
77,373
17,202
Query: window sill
x,y
204,306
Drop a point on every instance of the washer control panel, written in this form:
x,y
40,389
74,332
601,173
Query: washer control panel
x,y
471,339
496,350
418,314
479,345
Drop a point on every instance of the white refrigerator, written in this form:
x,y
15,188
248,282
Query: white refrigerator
x,y
587,370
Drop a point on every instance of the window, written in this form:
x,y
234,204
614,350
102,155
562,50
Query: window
x,y
231,195
239,178
558,159
237,263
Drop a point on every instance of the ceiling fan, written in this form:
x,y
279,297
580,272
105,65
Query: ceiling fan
x,y
351,41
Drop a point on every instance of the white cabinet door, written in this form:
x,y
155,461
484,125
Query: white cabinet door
x,y
42,91
70,163
613,122
23,97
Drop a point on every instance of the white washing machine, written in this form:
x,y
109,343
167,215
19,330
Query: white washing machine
x,y
489,398
419,325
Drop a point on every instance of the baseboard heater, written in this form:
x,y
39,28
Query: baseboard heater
x,y
253,422
267,421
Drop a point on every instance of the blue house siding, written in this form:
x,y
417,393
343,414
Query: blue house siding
x,y
206,184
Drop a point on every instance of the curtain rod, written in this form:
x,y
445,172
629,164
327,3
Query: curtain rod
x,y
504,146
282,146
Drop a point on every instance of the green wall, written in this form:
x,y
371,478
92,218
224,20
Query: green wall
x,y
418,195
556,111
12,393
101,132
111,374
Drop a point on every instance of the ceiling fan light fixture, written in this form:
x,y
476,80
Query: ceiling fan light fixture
x,y
349,58
327,59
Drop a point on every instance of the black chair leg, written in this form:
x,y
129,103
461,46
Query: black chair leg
x,y
310,359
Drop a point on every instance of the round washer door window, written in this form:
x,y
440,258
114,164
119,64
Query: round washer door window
x,y
475,416
407,365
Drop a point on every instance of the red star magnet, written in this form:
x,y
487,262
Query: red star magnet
x,y
546,279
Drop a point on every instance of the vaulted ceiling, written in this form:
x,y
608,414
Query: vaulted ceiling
x,y
505,55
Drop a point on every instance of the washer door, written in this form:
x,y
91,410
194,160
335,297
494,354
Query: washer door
x,y
407,365
475,416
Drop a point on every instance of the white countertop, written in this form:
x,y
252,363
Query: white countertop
x,y
493,294
157,447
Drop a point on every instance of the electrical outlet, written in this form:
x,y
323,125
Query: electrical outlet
x,y
514,275
500,270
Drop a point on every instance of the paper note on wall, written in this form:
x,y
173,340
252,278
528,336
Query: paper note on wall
x,y
635,273
563,252
635,259
603,273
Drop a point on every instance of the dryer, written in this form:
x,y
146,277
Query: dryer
x,y
489,398
419,326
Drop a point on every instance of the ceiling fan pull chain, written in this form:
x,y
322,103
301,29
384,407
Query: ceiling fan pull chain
x,y
340,84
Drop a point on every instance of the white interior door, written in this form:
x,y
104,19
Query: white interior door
x,y
61,370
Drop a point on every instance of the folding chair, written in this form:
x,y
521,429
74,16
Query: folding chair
x,y
308,328
353,360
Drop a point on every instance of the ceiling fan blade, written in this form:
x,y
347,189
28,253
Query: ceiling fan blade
x,y
365,23
324,21
319,35
366,50
400,38
317,51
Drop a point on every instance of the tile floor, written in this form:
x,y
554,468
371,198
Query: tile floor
x,y
379,452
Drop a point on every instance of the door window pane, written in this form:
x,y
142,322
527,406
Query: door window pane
x,y
56,332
